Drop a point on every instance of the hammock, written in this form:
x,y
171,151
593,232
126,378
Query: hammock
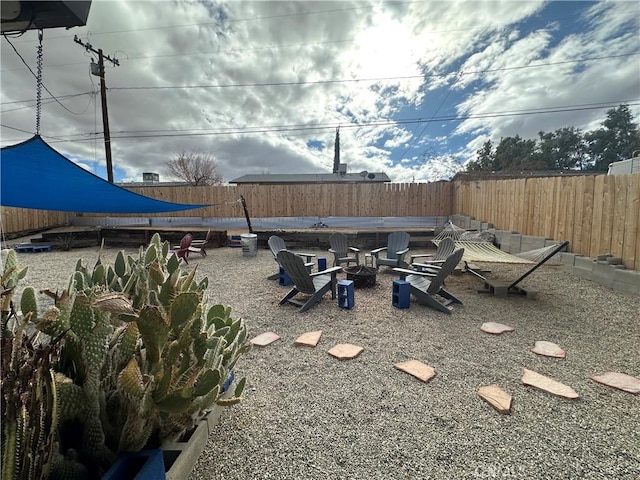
x,y
484,251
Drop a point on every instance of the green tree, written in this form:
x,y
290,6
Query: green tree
x,y
485,159
616,140
516,154
561,150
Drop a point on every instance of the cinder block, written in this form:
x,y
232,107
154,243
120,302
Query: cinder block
x,y
505,240
567,259
529,242
187,453
456,219
583,267
626,281
614,261
584,263
515,243
602,273
474,224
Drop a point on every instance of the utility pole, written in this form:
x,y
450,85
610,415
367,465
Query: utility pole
x,y
103,96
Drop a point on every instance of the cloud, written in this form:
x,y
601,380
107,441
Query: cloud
x,y
257,84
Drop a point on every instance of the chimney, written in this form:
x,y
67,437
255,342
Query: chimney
x,y
336,152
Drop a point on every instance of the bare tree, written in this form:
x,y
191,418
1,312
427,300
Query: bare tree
x,y
195,168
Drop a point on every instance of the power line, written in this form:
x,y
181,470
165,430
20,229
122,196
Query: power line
x,y
318,12
217,52
60,97
36,77
376,79
252,19
305,129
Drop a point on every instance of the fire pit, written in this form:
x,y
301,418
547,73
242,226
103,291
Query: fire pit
x,y
362,276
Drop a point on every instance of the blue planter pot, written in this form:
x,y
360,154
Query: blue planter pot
x,y
143,465
228,381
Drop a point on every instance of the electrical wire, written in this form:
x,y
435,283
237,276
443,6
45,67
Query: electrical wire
x,y
373,79
306,129
217,52
36,77
424,128
376,79
319,12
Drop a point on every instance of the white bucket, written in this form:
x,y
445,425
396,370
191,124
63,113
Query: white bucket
x,y
249,242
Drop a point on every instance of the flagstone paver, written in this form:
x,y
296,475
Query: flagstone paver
x,y
548,349
265,339
420,370
621,381
497,398
496,328
547,384
309,339
345,351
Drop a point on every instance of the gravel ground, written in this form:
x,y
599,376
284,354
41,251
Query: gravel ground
x,y
307,415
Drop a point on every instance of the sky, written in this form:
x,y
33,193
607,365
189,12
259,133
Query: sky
x,y
416,87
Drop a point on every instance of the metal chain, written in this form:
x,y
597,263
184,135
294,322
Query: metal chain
x,y
39,83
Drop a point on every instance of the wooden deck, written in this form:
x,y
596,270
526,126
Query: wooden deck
x,y
359,238
74,237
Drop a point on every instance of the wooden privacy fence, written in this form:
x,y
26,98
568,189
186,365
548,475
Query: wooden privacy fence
x,y
16,220
324,200
597,214
263,201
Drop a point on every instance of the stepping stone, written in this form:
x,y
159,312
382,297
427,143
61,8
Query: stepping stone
x,y
548,349
547,384
265,339
345,351
618,380
497,398
496,328
420,370
309,339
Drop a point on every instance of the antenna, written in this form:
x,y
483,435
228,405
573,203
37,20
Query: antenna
x,y
364,174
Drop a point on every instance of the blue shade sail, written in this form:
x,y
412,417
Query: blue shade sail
x,y
34,175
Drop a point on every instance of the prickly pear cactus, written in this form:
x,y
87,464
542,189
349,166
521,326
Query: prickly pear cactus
x,y
144,358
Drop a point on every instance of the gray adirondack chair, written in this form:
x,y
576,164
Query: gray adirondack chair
x,y
315,285
276,244
395,251
341,250
428,287
432,261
